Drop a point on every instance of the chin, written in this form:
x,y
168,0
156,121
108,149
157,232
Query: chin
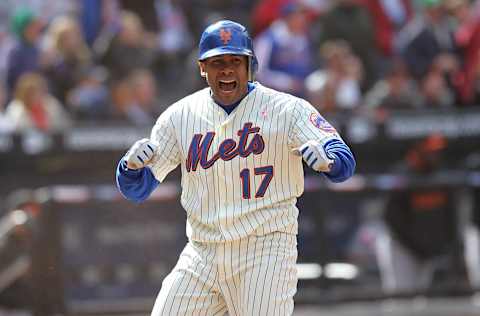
x,y
231,97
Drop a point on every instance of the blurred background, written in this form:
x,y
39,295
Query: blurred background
x,y
81,80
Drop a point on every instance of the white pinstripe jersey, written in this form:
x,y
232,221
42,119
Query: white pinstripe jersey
x,y
239,176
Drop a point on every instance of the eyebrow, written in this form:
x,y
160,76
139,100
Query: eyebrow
x,y
221,56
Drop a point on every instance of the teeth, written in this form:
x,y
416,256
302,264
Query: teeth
x,y
227,81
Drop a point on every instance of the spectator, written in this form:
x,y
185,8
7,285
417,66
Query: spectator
x,y
174,43
396,91
131,48
101,23
467,38
7,42
90,98
350,21
200,13
336,86
47,10
421,223
145,10
25,55
428,40
33,108
264,13
389,17
68,56
284,51
134,99
90,16
174,37
435,90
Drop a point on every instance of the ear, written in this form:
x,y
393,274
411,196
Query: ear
x,y
203,73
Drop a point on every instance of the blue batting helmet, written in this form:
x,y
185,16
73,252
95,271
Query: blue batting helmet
x,y
227,37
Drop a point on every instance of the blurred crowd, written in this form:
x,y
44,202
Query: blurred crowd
x,y
63,62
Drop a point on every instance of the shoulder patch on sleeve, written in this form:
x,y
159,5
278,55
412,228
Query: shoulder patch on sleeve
x,y
319,122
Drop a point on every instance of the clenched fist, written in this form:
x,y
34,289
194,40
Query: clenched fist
x,y
140,154
315,156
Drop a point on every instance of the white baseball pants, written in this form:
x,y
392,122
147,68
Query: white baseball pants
x,y
247,277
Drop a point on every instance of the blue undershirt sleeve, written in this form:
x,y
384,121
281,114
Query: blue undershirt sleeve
x,y
135,185
344,165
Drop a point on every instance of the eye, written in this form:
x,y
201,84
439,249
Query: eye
x,y
216,62
237,60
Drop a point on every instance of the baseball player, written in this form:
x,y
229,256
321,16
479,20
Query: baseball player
x,y
240,147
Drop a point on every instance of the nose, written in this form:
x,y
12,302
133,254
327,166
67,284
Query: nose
x,y
227,68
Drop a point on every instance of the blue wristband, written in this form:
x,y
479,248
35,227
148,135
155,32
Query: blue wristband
x,y
135,185
344,162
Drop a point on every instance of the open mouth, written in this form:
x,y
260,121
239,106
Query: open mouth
x,y
227,85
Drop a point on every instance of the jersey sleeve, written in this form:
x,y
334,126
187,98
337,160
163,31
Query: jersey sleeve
x,y
307,124
167,156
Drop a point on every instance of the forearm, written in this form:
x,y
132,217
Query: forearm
x,y
135,185
344,161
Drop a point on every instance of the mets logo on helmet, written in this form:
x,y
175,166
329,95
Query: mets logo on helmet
x,y
226,36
